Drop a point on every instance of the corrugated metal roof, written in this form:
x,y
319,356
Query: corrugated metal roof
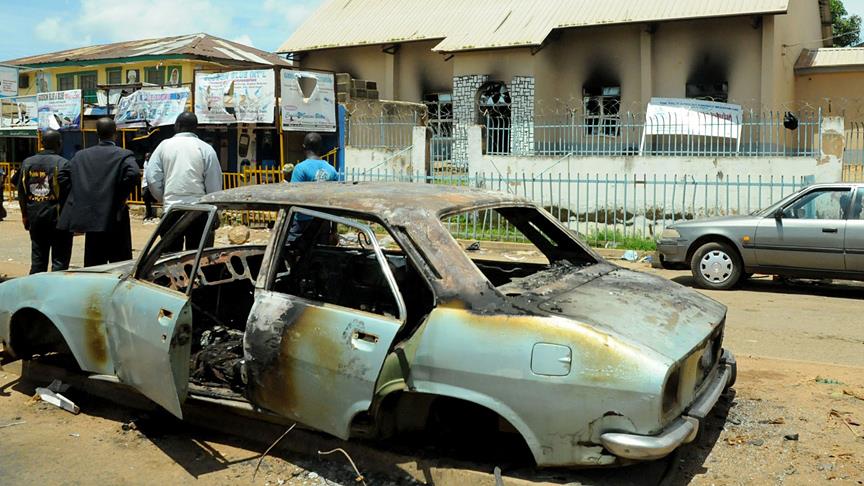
x,y
484,24
830,59
196,46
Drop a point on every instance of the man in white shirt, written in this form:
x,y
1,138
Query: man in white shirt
x,y
181,170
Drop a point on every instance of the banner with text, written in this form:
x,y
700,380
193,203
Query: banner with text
x,y
678,116
19,112
236,97
60,110
8,81
151,107
308,101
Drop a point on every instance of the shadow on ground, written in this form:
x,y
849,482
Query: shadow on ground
x,y
188,444
836,289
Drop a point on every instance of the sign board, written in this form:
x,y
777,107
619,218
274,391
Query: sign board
x,y
236,97
8,81
60,110
19,112
308,101
680,116
151,107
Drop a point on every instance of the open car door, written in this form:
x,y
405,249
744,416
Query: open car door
x,y
319,332
152,325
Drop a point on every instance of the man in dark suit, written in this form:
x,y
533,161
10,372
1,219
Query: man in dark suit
x,y
102,178
42,189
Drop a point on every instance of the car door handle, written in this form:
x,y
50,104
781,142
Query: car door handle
x,y
365,336
829,230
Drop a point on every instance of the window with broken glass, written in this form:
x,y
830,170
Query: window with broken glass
x,y
493,101
602,107
526,242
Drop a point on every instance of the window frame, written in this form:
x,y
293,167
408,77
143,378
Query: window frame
x,y
152,69
278,243
114,70
840,189
63,77
89,94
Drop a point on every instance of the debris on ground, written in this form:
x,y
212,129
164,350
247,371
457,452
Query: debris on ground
x,y
360,478
12,424
474,246
49,396
630,256
827,381
239,235
854,394
791,437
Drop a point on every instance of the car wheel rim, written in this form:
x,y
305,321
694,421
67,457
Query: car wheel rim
x,y
716,266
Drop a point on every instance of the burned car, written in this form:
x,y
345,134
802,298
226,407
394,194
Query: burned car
x,y
363,313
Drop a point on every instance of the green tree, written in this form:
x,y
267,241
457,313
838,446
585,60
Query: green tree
x,y
846,28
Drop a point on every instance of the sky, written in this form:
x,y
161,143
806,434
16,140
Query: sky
x,y
40,26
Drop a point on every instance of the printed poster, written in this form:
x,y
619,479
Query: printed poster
x,y
19,112
308,101
8,81
60,110
236,97
151,107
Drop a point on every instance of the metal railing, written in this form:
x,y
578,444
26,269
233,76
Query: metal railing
x,y
380,132
608,209
10,192
853,153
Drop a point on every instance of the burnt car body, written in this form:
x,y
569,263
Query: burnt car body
x,y
589,363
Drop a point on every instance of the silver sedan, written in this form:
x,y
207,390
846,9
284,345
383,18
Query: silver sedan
x,y
817,232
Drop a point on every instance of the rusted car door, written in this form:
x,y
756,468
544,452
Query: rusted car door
x,y
311,358
151,326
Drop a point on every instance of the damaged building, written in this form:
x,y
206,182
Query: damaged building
x,y
598,59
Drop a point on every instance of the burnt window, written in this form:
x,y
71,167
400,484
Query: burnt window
x,y
711,91
439,108
23,81
493,104
602,105
544,244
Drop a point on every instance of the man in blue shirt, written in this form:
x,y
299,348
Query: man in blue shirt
x,y
313,169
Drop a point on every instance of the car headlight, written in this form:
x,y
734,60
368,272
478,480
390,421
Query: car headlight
x,y
670,234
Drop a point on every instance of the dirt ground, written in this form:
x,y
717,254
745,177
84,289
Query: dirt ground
x,y
796,415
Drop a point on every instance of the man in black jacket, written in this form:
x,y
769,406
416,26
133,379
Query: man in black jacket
x,y
43,185
102,178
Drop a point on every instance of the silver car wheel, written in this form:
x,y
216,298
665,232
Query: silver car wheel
x,y
716,266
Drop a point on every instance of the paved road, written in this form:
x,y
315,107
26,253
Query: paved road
x,y
804,322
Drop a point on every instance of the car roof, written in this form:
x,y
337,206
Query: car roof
x,y
377,198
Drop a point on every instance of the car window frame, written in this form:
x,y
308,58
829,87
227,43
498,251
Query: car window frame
x,y
849,188
279,241
145,263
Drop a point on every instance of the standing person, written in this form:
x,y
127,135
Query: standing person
x,y
149,212
102,178
182,169
43,184
313,169
2,193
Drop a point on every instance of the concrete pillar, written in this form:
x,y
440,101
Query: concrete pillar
x,y
390,88
522,115
475,149
464,112
832,143
646,63
419,151
766,92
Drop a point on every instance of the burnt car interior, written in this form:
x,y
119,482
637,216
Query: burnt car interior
x,y
553,247
320,261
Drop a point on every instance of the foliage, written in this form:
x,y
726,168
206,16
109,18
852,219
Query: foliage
x,y
846,28
620,241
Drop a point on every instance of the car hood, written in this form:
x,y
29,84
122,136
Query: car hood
x,y
642,309
119,267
